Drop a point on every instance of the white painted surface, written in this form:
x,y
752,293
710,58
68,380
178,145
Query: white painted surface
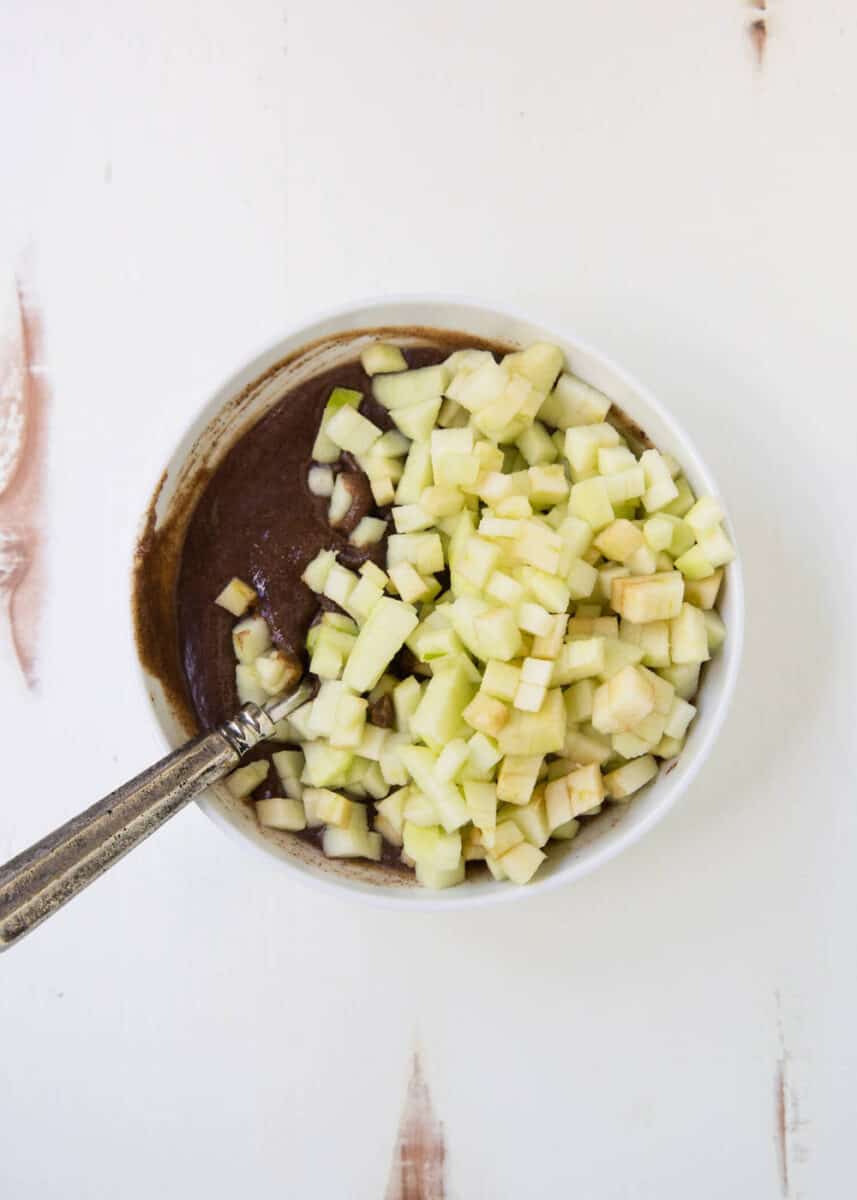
x,y
192,179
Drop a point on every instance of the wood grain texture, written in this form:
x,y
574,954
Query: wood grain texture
x,y
418,1171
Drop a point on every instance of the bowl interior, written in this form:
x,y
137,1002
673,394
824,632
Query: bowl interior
x,y
239,405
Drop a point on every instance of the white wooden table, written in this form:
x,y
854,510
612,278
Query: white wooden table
x,y
182,182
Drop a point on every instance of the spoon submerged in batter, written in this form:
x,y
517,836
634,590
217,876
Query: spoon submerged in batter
x,y
37,882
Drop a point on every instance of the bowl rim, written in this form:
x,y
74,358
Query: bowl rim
x,y
603,849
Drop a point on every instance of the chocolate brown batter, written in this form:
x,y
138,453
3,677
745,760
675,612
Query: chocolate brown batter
x,y
257,519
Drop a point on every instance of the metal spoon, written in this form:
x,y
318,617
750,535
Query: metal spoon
x,y
37,882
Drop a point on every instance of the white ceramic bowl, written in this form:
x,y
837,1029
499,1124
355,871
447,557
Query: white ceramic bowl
x,y
250,393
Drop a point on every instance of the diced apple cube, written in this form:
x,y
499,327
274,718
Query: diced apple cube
x,y
566,832
539,546
648,598
643,561
349,721
514,508
368,531
477,560
406,698
280,812
500,679
246,779
450,441
540,363
588,500
498,635
619,541
422,550
535,733
533,618
363,599
328,807
548,485
431,845
411,518
658,532
486,714
684,678
579,701
498,527
391,811
549,645
550,592
436,879
420,762
444,702
352,841
579,659
659,495
716,547
324,766
680,716
456,470
703,592
583,443
409,388
383,492
339,585
452,758
536,445
612,460
518,777
669,747
382,359
715,631
581,579
705,514
521,862
320,481
481,801
236,597
584,748
289,765
694,564
417,475
250,638
688,637
625,780
248,685
625,487
536,670
300,723
277,671
530,697
417,421
409,583
419,809
504,588
573,402
630,698
324,450
351,431
531,818
379,641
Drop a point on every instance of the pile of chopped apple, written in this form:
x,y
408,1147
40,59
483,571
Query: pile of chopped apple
x,y
555,591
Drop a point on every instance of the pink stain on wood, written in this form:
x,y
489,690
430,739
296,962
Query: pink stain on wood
x,y
24,398
757,31
418,1170
789,1123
